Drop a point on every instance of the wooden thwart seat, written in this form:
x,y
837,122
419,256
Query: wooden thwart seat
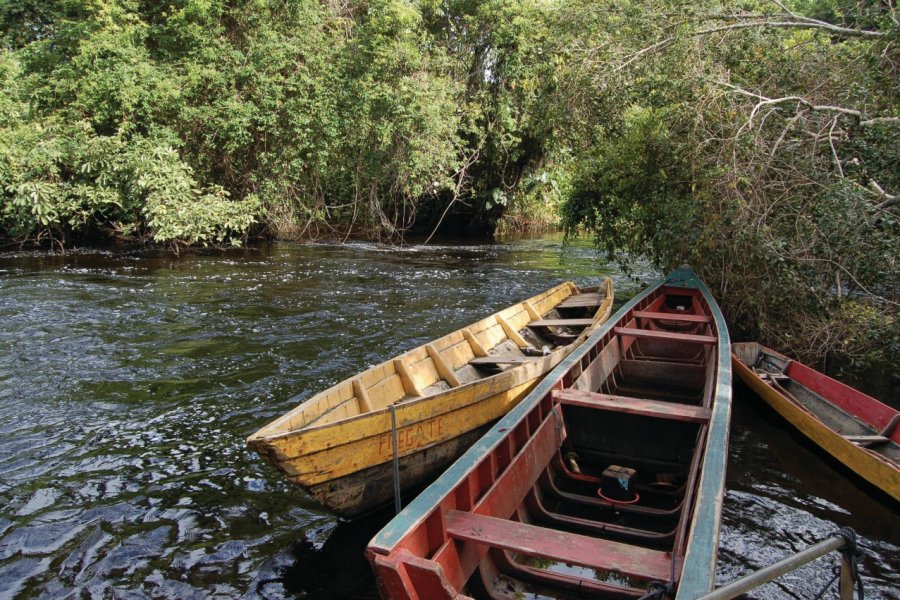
x,y
689,338
442,367
866,439
502,360
776,377
686,318
888,429
634,406
561,323
590,300
569,548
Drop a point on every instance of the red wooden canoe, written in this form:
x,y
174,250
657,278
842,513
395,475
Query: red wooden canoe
x,y
856,429
606,481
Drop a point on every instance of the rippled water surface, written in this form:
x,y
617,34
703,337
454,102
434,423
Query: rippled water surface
x,y
128,383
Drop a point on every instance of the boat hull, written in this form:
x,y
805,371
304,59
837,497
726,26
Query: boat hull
x,y
359,493
533,506
869,465
344,460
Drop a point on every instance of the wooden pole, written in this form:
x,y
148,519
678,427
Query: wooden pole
x,y
767,574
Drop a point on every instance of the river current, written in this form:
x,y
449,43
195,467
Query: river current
x,y
129,381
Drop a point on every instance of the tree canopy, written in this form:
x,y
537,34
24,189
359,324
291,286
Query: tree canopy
x,y
755,139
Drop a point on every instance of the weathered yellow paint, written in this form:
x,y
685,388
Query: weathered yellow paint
x,y
605,308
362,397
477,348
442,367
511,333
317,467
372,377
448,341
493,335
314,439
409,383
340,412
421,368
516,316
532,312
330,405
551,299
387,391
459,354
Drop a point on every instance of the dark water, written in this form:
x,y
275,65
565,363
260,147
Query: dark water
x,y
129,382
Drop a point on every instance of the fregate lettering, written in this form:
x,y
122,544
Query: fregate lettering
x,y
409,438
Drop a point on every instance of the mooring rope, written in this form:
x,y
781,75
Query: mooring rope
x,y
657,590
396,460
853,555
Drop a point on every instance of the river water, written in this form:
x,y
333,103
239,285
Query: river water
x,y
128,383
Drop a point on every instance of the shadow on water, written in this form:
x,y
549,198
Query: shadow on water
x,y
336,569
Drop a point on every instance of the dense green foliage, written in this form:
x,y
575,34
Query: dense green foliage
x,y
767,156
181,121
756,140
191,121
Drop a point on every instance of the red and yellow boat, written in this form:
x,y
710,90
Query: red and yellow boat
x,y
856,429
606,481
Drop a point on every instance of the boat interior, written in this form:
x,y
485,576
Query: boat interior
x,y
517,335
591,494
781,373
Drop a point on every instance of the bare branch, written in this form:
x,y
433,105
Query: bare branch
x,y
796,22
788,126
457,190
837,160
842,268
784,8
765,101
648,50
890,200
800,23
877,120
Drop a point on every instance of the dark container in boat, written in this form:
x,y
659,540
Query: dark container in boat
x,y
617,483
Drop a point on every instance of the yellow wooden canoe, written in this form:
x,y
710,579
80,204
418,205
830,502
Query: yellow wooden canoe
x,y
338,445
856,429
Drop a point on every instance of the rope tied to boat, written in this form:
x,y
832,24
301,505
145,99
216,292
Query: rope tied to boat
x,y
657,590
395,459
853,554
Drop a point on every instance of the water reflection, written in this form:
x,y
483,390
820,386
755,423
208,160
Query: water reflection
x,y
128,383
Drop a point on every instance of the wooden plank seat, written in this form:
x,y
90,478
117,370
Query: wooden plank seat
x,y
570,548
590,300
689,338
685,318
776,377
865,440
634,406
561,323
889,428
502,360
